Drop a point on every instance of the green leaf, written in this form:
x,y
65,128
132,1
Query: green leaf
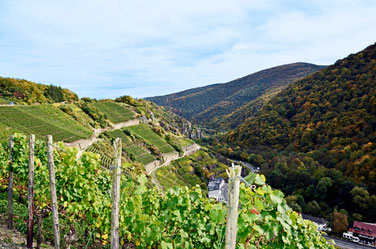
x,y
167,245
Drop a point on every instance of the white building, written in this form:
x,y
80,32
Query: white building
x,y
218,189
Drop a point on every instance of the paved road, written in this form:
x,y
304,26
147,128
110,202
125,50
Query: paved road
x,y
248,165
347,244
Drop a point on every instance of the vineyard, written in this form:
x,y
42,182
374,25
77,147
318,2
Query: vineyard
x,y
78,114
144,132
136,151
191,170
42,120
105,160
179,218
185,142
115,112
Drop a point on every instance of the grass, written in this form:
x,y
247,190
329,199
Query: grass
x,y
115,112
144,132
42,120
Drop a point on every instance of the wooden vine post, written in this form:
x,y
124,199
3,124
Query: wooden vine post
x,y
51,169
232,206
116,195
10,182
30,193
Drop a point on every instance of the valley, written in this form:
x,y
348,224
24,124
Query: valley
x,y
188,124
295,124
220,107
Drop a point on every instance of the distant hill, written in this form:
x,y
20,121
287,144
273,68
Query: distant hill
x,y
210,104
337,102
320,131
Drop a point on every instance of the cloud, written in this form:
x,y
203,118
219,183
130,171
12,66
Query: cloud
x,y
109,48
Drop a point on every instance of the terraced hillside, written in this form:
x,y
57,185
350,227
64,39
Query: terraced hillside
x,y
136,150
192,170
159,141
115,112
65,121
144,132
41,120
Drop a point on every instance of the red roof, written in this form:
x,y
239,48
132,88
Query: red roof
x,y
367,229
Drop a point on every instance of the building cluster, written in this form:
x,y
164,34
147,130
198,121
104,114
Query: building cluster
x,y
362,233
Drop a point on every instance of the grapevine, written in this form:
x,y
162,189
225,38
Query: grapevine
x,y
178,218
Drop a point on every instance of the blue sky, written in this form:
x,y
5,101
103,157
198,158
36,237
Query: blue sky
x,y
108,48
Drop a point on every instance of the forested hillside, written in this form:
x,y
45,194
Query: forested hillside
x,y
204,104
320,134
24,91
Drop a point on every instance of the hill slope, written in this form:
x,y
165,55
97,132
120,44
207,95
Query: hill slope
x,y
330,116
40,120
205,103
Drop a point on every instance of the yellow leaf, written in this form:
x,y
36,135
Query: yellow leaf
x,y
105,236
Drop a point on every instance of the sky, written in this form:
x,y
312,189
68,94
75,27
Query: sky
x,y
142,48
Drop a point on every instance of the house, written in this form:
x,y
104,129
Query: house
x,y
366,232
218,189
322,225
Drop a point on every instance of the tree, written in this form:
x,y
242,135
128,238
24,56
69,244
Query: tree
x,y
340,222
292,202
54,93
127,99
360,197
277,179
259,160
323,186
313,208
